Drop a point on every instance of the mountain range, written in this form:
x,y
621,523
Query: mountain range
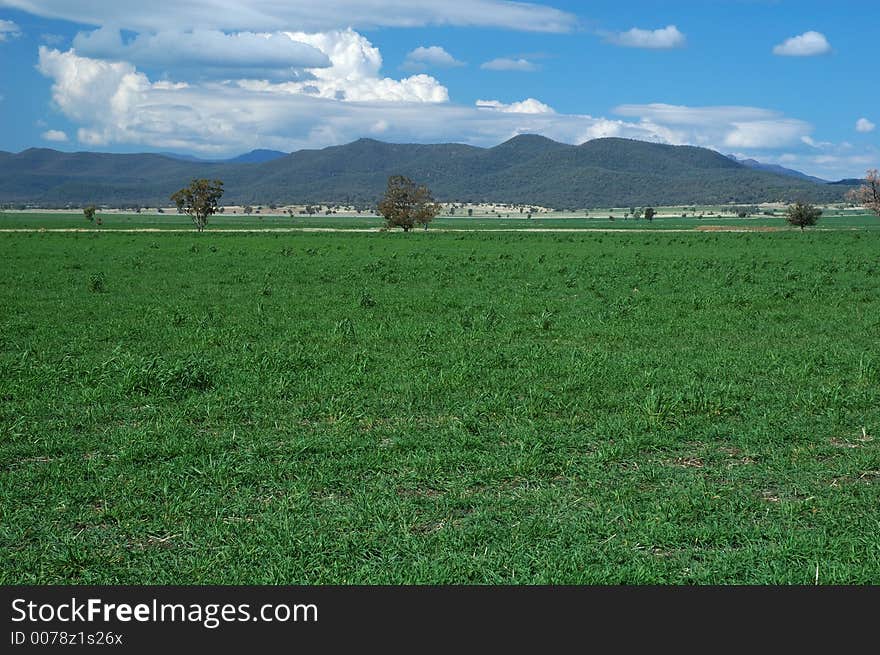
x,y
527,169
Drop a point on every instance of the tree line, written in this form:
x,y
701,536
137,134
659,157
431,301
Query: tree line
x,y
406,204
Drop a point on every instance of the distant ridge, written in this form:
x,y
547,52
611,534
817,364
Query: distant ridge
x,y
527,169
252,157
774,168
256,157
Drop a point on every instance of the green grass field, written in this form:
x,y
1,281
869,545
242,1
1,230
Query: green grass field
x,y
598,221
481,407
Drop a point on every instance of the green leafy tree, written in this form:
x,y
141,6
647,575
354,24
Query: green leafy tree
x,y
405,204
89,212
199,200
650,213
802,214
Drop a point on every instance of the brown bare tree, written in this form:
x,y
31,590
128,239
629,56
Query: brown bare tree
x,y
868,195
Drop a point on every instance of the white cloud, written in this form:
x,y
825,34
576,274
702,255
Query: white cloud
x,y
773,133
808,44
431,56
723,127
353,74
506,64
819,145
8,30
864,125
244,53
54,135
308,15
666,38
114,103
527,106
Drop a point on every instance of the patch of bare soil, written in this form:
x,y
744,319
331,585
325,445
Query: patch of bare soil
x,y
737,228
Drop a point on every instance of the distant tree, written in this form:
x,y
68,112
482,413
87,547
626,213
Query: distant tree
x,y
650,213
803,214
248,210
868,195
405,204
89,212
470,212
199,200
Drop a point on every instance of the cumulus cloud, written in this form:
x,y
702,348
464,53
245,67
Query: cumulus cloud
x,y
245,53
429,57
808,44
114,103
864,125
307,15
353,74
527,106
507,64
8,30
54,135
724,127
666,38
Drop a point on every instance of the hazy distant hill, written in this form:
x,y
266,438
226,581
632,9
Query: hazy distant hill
x,y
527,169
774,168
257,157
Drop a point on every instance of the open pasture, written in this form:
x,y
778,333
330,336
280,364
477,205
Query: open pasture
x,y
439,408
598,220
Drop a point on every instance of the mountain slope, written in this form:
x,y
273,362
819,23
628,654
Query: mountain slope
x,y
775,168
527,169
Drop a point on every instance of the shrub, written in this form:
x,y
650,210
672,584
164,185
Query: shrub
x,y
96,283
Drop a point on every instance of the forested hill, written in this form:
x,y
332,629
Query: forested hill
x,y
527,169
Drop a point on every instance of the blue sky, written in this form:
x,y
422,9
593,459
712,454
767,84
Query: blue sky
x,y
785,81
